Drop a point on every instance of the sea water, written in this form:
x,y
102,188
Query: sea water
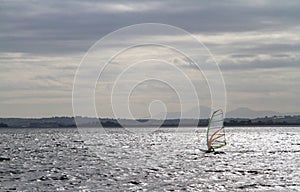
x,y
169,159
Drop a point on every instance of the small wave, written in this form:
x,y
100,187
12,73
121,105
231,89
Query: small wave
x,y
284,151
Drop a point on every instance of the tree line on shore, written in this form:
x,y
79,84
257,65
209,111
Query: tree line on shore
x,y
64,122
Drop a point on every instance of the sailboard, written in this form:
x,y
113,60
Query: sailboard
x,y
215,134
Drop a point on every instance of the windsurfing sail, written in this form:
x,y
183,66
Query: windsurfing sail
x,y
216,131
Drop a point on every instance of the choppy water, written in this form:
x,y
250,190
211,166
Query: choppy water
x,y
255,159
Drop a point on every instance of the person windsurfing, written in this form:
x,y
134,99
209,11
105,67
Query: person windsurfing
x,y
210,148
215,133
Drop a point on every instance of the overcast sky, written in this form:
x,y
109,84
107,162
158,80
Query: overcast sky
x,y
256,43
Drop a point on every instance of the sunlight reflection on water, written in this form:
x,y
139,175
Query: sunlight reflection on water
x,y
255,159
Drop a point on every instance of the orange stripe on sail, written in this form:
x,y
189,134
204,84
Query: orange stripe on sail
x,y
213,139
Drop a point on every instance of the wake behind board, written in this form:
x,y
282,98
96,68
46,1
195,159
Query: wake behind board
x,y
211,151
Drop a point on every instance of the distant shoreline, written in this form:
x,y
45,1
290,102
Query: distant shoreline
x,y
69,122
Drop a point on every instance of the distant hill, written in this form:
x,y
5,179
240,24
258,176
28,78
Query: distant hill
x,y
244,112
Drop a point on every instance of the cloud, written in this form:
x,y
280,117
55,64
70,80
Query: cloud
x,y
42,43
58,27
